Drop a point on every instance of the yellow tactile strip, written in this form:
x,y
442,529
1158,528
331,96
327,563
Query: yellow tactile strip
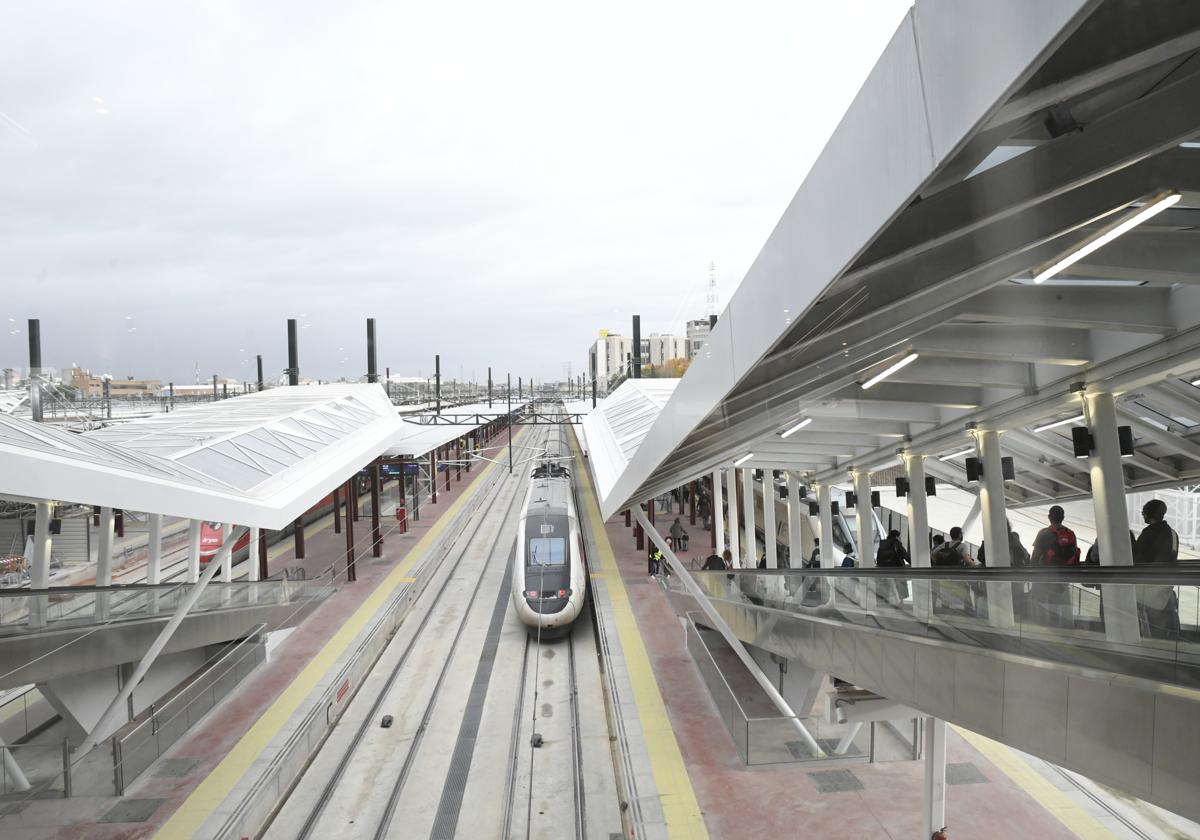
x,y
209,794
680,808
1064,809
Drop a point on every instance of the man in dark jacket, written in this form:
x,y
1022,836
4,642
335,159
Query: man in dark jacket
x,y
893,554
1158,545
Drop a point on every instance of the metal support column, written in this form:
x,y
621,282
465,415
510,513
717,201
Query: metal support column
x,y
637,347
732,518
227,559
35,368
1112,518
433,477
293,370
693,488
104,548
376,531
260,374
372,371
717,513
864,518
918,512
264,570
154,557
489,387
995,525
825,516
748,499
337,511
796,556
193,558
918,533
437,385
298,537
351,572
39,574
770,543
933,805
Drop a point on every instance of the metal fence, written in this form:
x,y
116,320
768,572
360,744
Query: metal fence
x,y
136,746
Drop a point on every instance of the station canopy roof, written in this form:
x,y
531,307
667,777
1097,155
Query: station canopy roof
x,y
10,399
259,459
418,436
992,145
617,427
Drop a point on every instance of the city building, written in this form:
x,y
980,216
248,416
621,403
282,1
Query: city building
x,y
663,348
93,386
607,357
697,334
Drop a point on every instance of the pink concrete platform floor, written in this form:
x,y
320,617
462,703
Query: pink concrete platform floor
x,y
785,802
168,782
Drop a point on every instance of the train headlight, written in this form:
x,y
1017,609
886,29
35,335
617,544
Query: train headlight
x,y
531,593
563,593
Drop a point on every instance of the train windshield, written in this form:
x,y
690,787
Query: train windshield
x,y
547,551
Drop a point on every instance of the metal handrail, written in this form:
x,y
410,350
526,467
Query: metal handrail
x,y
1182,574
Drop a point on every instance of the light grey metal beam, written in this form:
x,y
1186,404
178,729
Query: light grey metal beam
x,y
1094,78
1166,253
1177,405
1128,310
1138,369
1155,123
1014,343
948,396
909,310
963,371
1174,443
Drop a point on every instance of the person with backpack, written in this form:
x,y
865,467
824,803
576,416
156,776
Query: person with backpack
x,y
952,552
893,555
1054,546
1017,555
1158,545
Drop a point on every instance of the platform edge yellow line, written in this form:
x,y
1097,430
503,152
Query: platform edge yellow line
x,y
210,793
1062,807
680,808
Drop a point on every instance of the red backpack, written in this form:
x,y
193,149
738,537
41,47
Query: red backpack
x,y
1064,551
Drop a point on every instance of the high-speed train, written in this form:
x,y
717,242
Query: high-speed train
x,y
549,579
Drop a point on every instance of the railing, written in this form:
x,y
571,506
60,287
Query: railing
x,y
1135,621
136,746
758,740
24,610
45,768
23,712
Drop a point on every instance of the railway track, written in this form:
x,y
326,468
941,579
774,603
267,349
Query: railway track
x,y
370,781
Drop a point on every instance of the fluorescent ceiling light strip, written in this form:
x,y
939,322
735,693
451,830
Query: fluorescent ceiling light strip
x,y
796,428
1149,210
884,374
953,455
743,459
1058,423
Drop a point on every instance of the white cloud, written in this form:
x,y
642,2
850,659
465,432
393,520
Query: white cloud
x,y
491,181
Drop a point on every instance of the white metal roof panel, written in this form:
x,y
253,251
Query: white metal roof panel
x,y
258,459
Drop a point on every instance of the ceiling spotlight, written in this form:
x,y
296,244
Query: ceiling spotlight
x,y
1077,419
1153,206
743,459
796,428
885,373
953,455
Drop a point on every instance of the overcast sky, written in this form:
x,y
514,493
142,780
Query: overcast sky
x,y
491,181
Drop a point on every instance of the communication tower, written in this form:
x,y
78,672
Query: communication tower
x,y
711,300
